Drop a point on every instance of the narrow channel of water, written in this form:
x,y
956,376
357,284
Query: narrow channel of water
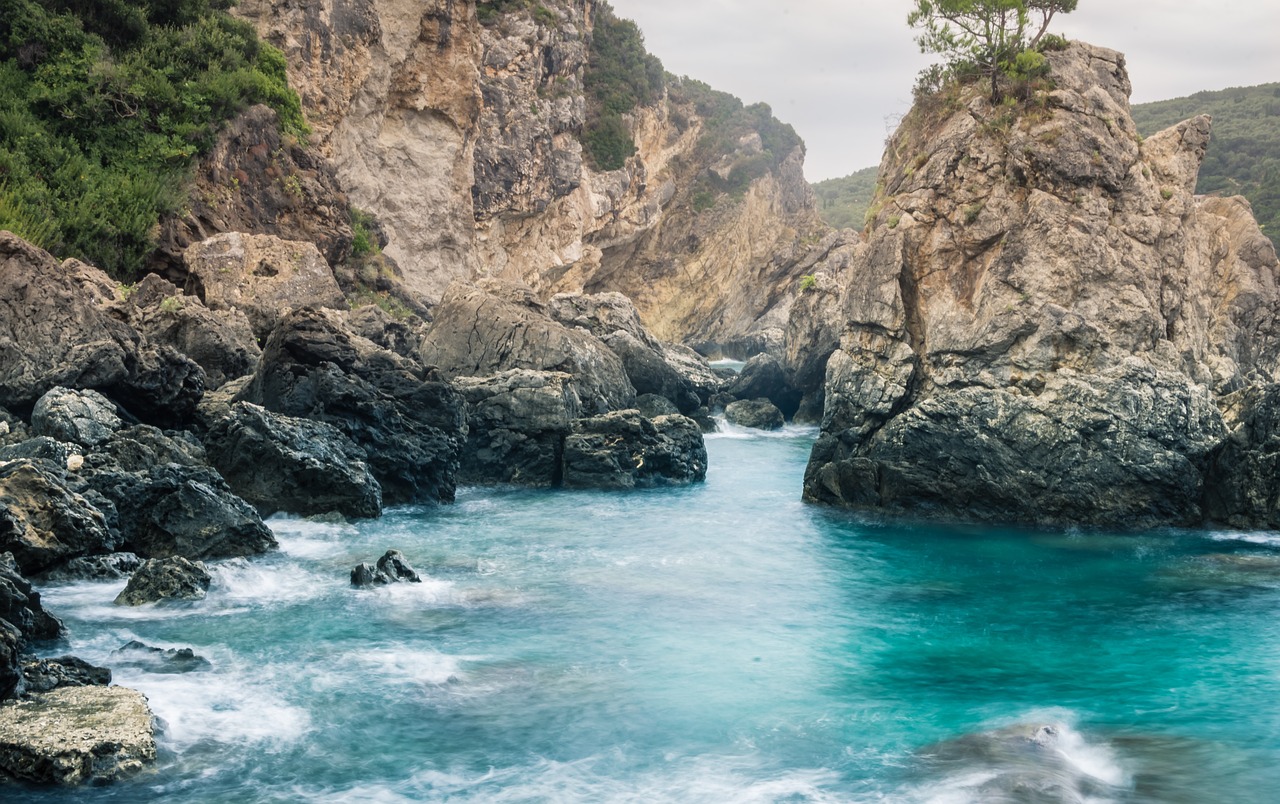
x,y
721,643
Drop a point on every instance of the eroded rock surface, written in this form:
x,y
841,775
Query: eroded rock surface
x,y
160,579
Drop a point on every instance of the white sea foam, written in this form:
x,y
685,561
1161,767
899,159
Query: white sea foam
x,y
240,582
1270,538
727,430
423,667
309,538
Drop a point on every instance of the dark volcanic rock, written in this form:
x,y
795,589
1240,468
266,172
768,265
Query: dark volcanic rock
x,y
52,453
517,422
57,332
22,619
86,418
763,376
46,675
280,463
391,568
651,406
165,579
109,567
1242,486
760,414
410,425
478,333
625,450
159,660
42,522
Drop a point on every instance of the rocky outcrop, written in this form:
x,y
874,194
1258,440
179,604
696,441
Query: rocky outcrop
x,y
763,377
47,675
159,660
758,414
409,422
261,275
56,331
43,522
109,567
1043,320
77,735
391,568
517,421
22,620
624,450
1243,484
280,463
477,333
160,579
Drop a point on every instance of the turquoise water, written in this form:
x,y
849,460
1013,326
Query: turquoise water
x,y
722,643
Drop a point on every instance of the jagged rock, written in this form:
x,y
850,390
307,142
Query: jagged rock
x,y
625,450
254,180
261,275
160,579
650,373
280,463
51,452
222,343
22,620
86,418
409,423
158,660
46,675
42,522
60,334
391,568
1242,487
516,424
1043,319
759,414
477,333
764,377
109,567
77,735
651,406
404,337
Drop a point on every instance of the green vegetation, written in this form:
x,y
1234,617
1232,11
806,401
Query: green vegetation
x,y
808,282
620,76
1244,154
104,107
843,202
488,12
364,242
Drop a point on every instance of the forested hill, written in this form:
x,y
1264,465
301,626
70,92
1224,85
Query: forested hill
x,y
1244,154
1243,158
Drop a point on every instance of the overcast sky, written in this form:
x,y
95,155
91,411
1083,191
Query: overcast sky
x,y
841,71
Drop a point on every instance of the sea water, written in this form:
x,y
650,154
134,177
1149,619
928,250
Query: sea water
x,y
717,643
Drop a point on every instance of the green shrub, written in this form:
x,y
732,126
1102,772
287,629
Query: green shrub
x,y
620,75
363,241
808,282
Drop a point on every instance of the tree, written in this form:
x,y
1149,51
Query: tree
x,y
987,35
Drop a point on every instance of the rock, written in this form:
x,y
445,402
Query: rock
x,y
764,376
1242,486
649,372
161,579
46,675
158,660
402,336
86,418
1044,322
279,463
261,275
53,454
651,406
22,620
43,523
62,335
77,735
410,423
109,567
625,450
516,425
222,343
477,333
391,568
759,414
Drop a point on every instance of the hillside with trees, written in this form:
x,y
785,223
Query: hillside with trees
x,y
843,202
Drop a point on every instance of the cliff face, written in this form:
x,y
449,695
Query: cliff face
x,y
1044,318
464,139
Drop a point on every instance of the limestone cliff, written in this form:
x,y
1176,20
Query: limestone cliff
x,y
1043,318
462,132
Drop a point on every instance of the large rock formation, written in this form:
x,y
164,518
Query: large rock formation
x,y
1043,317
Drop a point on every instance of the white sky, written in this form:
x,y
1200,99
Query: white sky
x,y
841,71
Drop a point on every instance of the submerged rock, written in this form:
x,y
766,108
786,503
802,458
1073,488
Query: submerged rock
x,y
391,568
76,735
624,450
160,579
758,414
159,660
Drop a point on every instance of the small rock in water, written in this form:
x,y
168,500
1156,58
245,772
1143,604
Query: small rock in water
x,y
166,579
391,568
760,414
159,660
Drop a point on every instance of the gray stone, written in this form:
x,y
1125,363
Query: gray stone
x,y
624,450
86,418
516,424
163,579
109,567
46,675
758,414
43,523
159,660
392,567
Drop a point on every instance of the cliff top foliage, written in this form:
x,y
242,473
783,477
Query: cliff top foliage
x,y
620,76
843,202
1244,154
104,107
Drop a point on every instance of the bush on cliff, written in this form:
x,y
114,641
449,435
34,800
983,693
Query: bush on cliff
x,y
620,76
104,106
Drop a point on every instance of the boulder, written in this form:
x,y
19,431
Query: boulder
x,y
44,523
650,373
391,568
86,418
52,454
623,450
109,567
281,463
161,579
159,660
516,425
400,335
260,275
410,423
651,406
764,377
22,620
46,675
758,414
76,735
61,334
222,343
479,332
